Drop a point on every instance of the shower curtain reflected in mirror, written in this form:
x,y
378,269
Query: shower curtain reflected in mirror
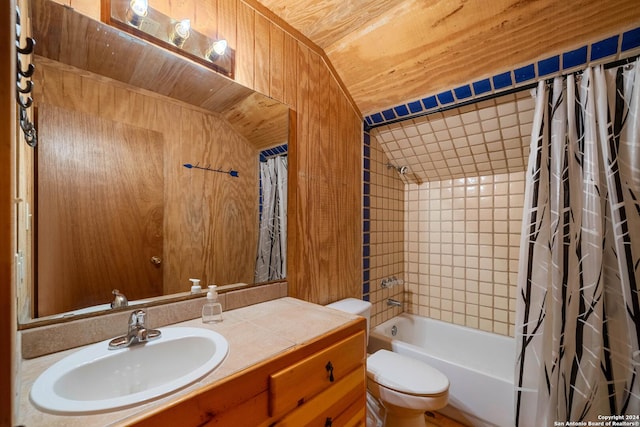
x,y
578,308
271,261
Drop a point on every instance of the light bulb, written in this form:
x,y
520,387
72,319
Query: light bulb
x,y
218,48
139,7
137,12
182,28
180,32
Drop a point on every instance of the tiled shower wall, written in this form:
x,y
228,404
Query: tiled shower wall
x,y
384,232
455,243
462,244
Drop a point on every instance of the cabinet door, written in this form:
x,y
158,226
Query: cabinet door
x,y
296,384
338,405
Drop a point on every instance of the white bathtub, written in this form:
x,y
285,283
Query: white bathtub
x,y
479,365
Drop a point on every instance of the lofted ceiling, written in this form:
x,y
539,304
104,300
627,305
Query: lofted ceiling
x,y
392,51
485,138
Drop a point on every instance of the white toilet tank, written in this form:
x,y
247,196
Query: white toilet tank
x,y
354,306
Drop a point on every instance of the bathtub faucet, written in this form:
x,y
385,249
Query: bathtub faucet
x,y
393,303
390,282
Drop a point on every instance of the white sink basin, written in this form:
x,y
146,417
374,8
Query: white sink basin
x,y
96,379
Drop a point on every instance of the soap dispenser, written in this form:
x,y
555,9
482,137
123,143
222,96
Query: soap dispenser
x,y
212,309
195,286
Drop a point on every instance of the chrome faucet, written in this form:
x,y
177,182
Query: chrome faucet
x,y
119,300
393,303
137,332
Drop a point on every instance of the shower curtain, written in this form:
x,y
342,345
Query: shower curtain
x,y
271,261
578,308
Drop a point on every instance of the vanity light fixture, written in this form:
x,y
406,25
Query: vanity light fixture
x,y
137,11
218,48
140,19
180,32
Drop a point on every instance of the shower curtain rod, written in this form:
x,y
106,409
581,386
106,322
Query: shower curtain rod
x,y
492,96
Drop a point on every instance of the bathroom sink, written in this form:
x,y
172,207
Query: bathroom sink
x,y
96,379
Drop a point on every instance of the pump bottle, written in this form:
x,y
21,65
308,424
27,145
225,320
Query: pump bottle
x,y
212,309
195,286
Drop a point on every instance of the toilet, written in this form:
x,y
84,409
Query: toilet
x,y
406,387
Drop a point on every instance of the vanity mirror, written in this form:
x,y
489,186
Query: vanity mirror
x,y
146,172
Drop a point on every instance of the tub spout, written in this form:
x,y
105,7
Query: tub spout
x,y
393,303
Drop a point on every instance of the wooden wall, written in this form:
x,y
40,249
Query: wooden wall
x,y
324,249
7,217
210,219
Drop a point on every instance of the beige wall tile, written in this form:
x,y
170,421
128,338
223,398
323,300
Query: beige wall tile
x,y
470,230
388,245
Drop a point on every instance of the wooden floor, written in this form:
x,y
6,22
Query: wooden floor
x,y
435,419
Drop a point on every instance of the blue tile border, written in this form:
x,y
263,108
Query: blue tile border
x,y
501,81
575,58
366,207
482,86
524,74
401,110
275,151
463,92
604,48
430,102
630,39
415,106
377,118
612,47
445,97
389,114
549,66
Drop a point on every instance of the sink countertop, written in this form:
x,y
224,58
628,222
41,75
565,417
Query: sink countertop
x,y
255,333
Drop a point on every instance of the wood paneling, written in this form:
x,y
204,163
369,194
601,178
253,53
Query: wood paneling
x,y
227,21
276,63
290,69
245,63
8,356
262,58
206,213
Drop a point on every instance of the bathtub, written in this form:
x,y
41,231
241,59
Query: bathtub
x,y
479,365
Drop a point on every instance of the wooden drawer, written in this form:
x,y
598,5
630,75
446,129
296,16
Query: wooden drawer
x,y
354,416
342,404
296,384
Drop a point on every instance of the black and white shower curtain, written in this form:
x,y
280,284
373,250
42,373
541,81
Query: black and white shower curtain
x,y
578,308
271,261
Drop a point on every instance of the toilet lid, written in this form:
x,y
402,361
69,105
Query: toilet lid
x,y
405,374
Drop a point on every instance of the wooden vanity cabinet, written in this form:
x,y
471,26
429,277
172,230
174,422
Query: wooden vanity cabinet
x,y
319,383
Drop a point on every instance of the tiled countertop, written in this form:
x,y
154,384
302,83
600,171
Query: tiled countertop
x,y
255,333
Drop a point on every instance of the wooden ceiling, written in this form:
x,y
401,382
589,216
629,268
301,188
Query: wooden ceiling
x,y
391,51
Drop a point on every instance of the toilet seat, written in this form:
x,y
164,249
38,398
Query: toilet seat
x,y
405,374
